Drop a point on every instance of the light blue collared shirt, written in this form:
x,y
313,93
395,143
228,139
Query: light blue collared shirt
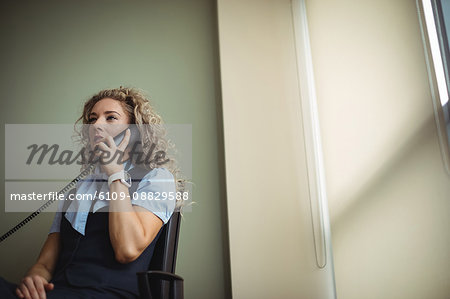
x,y
156,192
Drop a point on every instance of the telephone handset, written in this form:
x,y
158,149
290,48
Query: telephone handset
x,y
134,137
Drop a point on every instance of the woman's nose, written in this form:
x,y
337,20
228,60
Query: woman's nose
x,y
98,125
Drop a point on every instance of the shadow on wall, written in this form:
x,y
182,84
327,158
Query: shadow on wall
x,y
425,134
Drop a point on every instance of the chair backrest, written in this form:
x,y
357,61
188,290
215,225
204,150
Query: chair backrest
x,y
165,255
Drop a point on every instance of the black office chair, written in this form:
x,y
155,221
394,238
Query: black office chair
x,y
161,282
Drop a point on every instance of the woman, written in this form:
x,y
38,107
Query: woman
x,y
94,249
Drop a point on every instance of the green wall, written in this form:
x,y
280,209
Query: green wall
x,y
56,54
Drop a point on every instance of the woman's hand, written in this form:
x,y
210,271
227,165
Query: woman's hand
x,y
114,155
34,287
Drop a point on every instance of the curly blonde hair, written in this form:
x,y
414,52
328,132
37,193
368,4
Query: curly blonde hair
x,y
142,114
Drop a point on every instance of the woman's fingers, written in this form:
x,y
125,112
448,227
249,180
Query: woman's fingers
x,y
126,139
19,293
108,145
102,146
39,284
109,141
29,283
49,286
33,285
24,290
100,149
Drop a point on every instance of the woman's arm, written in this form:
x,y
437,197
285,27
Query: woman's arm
x,y
35,282
131,228
46,262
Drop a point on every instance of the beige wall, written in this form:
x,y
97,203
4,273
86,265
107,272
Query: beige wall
x,y
387,189
389,196
271,240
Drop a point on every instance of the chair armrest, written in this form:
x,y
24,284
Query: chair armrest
x,y
161,275
176,283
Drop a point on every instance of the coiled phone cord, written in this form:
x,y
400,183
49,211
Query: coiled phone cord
x,y
48,203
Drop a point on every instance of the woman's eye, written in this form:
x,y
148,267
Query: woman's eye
x,y
93,119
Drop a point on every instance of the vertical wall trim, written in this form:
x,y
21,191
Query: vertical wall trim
x,y
313,146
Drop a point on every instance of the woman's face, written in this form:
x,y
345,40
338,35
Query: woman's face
x,y
106,118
